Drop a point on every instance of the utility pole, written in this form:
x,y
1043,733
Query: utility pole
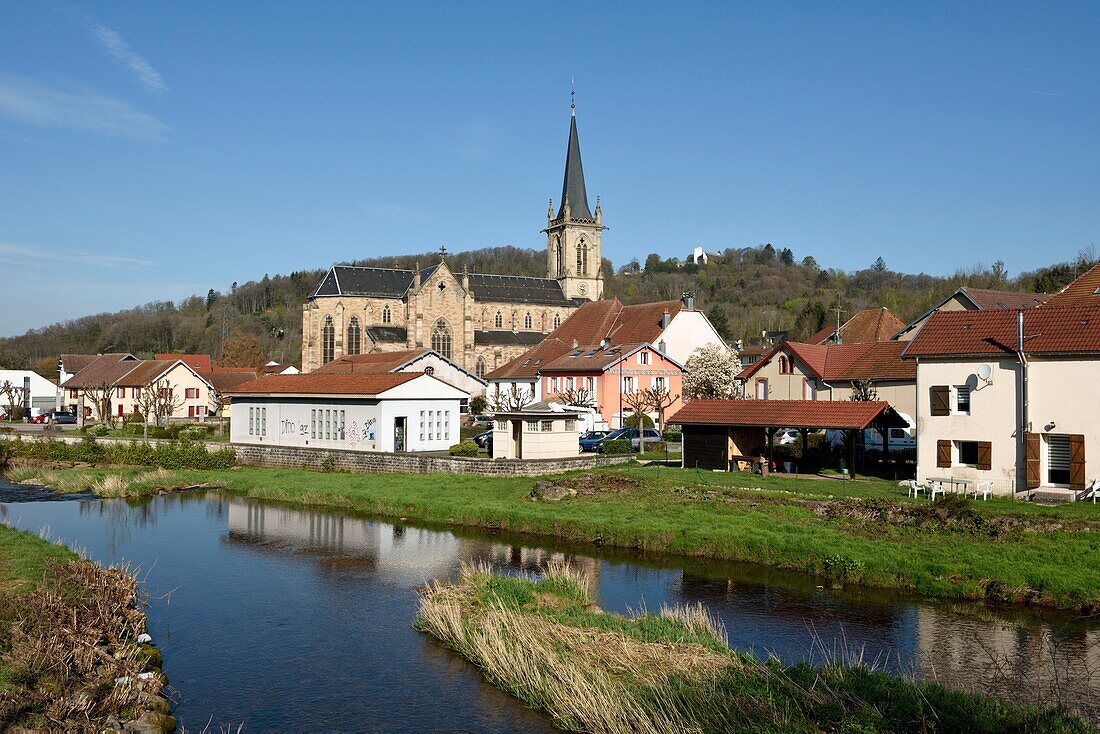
x,y
836,334
225,330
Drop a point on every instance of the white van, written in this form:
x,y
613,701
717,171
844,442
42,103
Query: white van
x,y
900,438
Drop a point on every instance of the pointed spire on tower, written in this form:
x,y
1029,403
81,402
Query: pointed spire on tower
x,y
573,193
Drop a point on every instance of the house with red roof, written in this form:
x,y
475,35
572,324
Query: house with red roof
x,y
428,361
353,411
109,387
974,299
673,327
1006,398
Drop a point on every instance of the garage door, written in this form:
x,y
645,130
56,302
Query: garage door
x,y
706,447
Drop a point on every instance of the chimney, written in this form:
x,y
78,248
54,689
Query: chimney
x,y
574,343
661,345
688,300
665,319
416,276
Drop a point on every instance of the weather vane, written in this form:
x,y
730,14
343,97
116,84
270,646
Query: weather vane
x,y
572,92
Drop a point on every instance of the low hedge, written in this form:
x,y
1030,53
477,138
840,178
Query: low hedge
x,y
616,447
466,448
175,455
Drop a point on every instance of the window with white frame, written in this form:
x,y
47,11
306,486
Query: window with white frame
x,y
628,384
341,437
547,426
570,424
643,357
422,425
431,425
532,425
659,383
251,421
962,399
328,424
313,423
502,425
446,425
570,383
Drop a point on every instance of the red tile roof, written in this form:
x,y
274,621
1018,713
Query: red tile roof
x,y
373,363
993,333
73,363
823,336
146,371
194,361
224,379
318,384
105,369
869,325
989,300
527,365
1081,292
783,413
590,358
880,362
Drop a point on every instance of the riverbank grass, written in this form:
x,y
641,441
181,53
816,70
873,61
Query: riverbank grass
x,y
544,642
864,531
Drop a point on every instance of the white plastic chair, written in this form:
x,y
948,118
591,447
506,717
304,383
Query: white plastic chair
x,y
936,488
984,489
915,488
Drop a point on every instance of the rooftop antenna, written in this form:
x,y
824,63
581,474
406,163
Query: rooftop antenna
x,y
836,334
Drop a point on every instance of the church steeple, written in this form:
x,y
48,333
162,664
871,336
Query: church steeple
x,y
573,247
573,193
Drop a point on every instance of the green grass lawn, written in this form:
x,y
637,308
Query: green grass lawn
x,y
863,531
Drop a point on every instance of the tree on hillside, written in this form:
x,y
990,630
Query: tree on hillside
x,y
880,265
718,320
243,351
211,297
810,262
786,256
711,374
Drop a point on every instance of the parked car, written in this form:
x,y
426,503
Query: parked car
x,y
595,443
61,417
484,440
40,418
787,437
592,436
482,420
651,435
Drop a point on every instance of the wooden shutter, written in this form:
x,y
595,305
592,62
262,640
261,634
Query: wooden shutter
x,y
1076,461
985,455
943,454
1031,460
940,399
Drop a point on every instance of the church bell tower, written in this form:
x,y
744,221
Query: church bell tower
x,y
573,251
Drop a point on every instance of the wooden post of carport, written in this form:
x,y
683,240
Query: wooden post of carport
x,y
885,433
851,454
770,430
805,443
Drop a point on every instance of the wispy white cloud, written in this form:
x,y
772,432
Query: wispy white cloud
x,y
11,252
28,101
1035,91
117,48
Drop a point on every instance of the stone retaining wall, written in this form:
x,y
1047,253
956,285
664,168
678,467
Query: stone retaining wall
x,y
292,457
382,463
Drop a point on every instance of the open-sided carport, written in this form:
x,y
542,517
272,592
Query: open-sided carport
x,y
718,433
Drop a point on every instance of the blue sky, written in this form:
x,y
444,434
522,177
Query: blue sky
x,y
149,151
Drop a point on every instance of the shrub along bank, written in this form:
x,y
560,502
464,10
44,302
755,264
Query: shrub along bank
x,y
545,643
174,455
69,653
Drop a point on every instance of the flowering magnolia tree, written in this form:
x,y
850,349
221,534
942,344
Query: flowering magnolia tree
x,y
711,373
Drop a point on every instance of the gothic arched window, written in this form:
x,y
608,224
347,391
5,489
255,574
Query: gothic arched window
x,y
479,368
582,258
328,341
559,262
441,338
499,321
354,340
527,323
387,315
557,320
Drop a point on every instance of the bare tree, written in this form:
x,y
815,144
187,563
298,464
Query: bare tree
x,y
638,402
167,402
13,395
864,391
218,403
660,399
512,399
580,396
146,406
100,398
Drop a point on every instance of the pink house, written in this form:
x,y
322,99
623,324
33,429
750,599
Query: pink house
x,y
604,374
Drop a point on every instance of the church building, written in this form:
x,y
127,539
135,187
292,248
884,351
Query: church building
x,y
478,320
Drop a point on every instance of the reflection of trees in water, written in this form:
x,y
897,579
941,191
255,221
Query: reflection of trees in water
x,y
1039,663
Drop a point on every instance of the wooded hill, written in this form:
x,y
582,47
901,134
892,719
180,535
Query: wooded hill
x,y
745,292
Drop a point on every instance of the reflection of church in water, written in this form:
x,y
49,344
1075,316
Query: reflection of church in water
x,y
479,320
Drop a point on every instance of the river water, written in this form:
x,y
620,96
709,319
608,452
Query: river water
x,y
298,620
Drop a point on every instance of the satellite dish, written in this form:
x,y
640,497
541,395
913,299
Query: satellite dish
x,y
984,372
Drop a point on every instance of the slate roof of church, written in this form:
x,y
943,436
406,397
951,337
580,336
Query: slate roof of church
x,y
503,337
355,280
388,334
572,188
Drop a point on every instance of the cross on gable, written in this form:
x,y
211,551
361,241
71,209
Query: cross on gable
x,y
442,252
